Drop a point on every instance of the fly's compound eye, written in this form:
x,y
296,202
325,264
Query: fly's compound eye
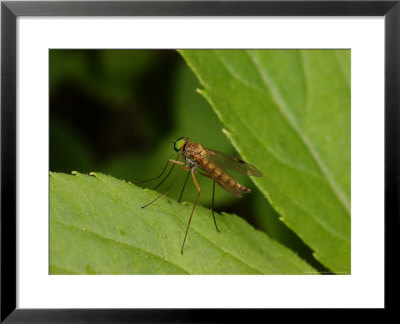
x,y
179,144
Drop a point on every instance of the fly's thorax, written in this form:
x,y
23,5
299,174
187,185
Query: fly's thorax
x,y
193,149
194,154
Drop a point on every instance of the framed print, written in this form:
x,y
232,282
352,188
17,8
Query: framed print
x,y
131,129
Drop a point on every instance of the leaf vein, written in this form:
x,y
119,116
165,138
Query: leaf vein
x,y
256,138
252,131
288,116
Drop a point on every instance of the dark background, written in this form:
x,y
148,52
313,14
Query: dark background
x,y
119,112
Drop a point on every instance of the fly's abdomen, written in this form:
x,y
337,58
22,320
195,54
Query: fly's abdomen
x,y
219,176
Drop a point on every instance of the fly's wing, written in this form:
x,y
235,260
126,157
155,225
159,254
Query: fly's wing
x,y
227,161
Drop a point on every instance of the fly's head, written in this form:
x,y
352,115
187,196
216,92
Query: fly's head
x,y
180,143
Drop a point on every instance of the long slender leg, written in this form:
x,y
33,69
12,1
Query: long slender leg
x,y
162,172
212,207
197,172
166,165
203,174
177,162
187,177
166,190
165,178
212,204
173,165
194,206
183,188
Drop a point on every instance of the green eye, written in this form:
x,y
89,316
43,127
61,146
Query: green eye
x,y
179,144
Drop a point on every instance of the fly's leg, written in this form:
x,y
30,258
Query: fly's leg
x,y
177,162
170,185
155,178
203,174
187,177
165,168
173,165
212,204
194,206
184,185
212,207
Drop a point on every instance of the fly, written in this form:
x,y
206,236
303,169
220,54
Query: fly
x,y
209,163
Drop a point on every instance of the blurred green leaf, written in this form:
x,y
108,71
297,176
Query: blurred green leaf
x,y
123,66
266,219
97,226
118,73
105,75
68,148
288,112
193,116
67,64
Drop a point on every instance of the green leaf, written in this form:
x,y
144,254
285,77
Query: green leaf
x,y
97,226
288,112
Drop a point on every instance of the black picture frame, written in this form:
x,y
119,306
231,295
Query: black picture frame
x,y
10,10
